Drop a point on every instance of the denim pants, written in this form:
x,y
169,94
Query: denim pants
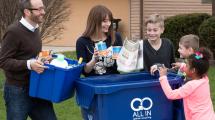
x,y
19,105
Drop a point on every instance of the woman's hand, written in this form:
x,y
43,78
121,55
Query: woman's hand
x,y
89,66
95,55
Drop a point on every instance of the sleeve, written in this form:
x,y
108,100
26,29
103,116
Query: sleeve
x,y
80,50
172,59
83,50
179,93
118,41
9,47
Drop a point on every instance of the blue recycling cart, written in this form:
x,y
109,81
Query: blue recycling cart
x,y
133,96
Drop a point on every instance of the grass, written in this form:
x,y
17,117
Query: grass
x,y
68,110
212,83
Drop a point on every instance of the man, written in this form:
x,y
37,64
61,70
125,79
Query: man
x,y
20,46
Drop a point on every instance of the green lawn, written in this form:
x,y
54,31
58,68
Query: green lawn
x,y
68,110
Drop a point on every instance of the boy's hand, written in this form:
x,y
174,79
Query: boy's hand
x,y
153,68
162,71
176,65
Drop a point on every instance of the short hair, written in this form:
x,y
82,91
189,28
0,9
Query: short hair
x,y
190,40
155,18
24,4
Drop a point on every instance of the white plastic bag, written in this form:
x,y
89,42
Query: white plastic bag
x,y
127,59
140,62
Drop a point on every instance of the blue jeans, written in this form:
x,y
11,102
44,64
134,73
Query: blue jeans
x,y
19,105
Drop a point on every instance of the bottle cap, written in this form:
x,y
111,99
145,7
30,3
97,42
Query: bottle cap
x,y
60,57
80,60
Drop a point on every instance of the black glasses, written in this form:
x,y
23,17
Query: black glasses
x,y
37,9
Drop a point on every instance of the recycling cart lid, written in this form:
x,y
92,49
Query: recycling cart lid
x,y
87,87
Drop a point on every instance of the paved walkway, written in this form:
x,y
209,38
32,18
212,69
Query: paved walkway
x,y
58,48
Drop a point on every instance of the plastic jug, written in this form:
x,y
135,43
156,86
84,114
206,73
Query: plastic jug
x,y
59,61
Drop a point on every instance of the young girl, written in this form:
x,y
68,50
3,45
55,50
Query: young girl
x,y
99,28
196,92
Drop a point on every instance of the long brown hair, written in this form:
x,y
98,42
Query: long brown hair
x,y
94,21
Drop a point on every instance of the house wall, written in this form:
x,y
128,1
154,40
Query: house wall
x,y
132,12
135,18
166,8
79,12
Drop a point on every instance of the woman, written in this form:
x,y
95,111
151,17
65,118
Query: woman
x,y
99,28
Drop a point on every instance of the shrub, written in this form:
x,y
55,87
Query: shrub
x,y
183,24
207,34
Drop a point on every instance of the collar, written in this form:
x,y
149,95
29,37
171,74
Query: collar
x,y
24,22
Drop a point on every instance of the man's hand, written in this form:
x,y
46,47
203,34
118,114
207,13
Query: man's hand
x,y
37,66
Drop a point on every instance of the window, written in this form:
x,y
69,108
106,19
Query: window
x,y
206,1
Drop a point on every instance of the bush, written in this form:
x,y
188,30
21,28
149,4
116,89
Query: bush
x,y
207,34
180,25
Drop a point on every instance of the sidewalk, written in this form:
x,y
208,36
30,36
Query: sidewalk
x,y
58,48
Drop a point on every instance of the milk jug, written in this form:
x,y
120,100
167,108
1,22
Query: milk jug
x,y
59,61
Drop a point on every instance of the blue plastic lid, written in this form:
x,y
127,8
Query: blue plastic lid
x,y
107,84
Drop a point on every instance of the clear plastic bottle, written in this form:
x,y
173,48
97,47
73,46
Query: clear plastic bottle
x,y
59,61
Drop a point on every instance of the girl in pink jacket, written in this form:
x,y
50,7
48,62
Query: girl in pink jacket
x,y
196,92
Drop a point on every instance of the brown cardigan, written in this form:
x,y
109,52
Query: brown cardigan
x,y
18,45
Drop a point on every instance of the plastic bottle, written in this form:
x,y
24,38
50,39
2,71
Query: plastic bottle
x,y
59,61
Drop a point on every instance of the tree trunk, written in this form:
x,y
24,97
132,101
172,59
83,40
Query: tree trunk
x,y
213,7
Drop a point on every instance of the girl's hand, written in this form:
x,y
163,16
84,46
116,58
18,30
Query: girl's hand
x,y
162,71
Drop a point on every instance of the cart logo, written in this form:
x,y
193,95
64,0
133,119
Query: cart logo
x,y
141,108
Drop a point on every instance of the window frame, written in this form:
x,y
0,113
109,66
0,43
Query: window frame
x,y
206,1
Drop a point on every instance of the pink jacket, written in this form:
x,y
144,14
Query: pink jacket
x,y
196,98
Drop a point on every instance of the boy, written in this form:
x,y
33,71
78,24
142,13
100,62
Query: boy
x,y
187,45
156,49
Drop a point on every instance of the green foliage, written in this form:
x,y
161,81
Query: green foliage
x,y
207,33
70,54
180,25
